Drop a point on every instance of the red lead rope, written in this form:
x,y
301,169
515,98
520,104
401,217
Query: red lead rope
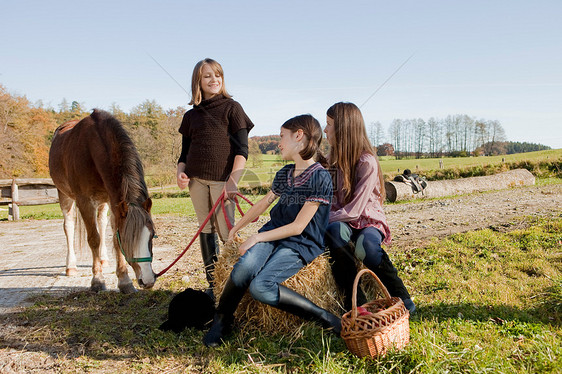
x,y
220,201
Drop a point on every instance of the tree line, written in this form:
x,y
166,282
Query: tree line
x,y
453,136
26,130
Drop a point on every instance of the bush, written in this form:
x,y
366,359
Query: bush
x,y
540,169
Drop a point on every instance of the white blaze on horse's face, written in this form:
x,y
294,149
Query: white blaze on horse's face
x,y
143,270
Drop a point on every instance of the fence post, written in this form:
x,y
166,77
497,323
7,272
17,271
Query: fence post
x,y
15,198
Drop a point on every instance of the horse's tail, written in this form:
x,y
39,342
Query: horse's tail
x,y
80,237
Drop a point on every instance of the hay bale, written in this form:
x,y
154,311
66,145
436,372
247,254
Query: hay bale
x,y
314,281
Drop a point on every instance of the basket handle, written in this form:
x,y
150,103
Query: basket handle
x,y
356,284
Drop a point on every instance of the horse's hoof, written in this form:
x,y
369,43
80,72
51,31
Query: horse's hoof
x,y
127,289
98,286
70,272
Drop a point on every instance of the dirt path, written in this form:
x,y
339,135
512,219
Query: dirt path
x,y
33,258
32,253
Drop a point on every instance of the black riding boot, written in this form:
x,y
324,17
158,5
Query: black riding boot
x,y
344,270
224,316
209,252
292,302
388,275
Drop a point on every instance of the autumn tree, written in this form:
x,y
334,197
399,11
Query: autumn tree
x,y
170,139
142,124
385,149
25,137
254,154
148,115
268,143
68,112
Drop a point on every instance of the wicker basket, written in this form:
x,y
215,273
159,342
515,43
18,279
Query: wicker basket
x,y
386,326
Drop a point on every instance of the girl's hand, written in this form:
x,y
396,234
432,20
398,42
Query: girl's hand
x,y
183,180
249,243
230,189
232,234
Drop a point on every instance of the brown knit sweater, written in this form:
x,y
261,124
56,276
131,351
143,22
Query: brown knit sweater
x,y
209,127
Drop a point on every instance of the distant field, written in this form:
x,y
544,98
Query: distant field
x,y
264,173
390,165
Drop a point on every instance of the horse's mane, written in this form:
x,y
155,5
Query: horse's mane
x,y
133,187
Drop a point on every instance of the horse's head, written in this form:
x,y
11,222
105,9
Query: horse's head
x,y
135,240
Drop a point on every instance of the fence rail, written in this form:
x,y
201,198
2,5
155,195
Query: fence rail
x,y
26,191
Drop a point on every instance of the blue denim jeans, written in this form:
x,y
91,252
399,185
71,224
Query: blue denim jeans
x,y
263,267
367,242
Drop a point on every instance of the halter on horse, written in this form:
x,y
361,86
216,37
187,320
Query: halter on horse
x,y
93,163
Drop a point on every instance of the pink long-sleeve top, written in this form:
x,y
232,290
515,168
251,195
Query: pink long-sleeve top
x,y
365,208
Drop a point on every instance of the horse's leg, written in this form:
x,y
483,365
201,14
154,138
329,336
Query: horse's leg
x,y
124,282
89,212
102,228
69,213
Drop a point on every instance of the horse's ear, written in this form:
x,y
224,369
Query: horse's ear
x,y
123,209
147,205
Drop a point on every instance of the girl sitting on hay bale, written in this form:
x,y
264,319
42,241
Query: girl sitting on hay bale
x,y
292,238
358,224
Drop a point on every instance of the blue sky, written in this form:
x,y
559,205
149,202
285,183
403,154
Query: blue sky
x,y
495,60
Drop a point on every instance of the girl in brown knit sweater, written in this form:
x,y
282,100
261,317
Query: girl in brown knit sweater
x,y
214,153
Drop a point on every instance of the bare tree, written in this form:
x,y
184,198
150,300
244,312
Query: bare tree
x,y
395,133
481,132
420,131
457,134
434,134
376,133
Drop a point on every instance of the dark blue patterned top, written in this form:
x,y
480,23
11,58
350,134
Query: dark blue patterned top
x,y
313,184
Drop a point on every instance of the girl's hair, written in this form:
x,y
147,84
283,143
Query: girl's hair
x,y
196,94
350,143
313,132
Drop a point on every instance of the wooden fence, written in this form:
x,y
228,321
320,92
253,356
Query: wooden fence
x,y
26,191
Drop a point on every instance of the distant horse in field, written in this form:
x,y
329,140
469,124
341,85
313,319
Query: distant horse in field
x,y
94,164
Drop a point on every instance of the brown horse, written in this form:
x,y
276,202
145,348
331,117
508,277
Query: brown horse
x,y
93,163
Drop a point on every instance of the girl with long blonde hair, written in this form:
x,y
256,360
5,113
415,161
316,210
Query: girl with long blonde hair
x,y
214,153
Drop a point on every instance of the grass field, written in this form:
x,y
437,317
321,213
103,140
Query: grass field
x,y
488,302
390,165
179,206
264,173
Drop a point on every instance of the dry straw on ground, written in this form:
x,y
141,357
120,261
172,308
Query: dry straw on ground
x,y
315,282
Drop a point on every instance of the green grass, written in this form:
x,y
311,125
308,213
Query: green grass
x,y
544,164
488,302
184,207
263,170
180,206
390,165
47,211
